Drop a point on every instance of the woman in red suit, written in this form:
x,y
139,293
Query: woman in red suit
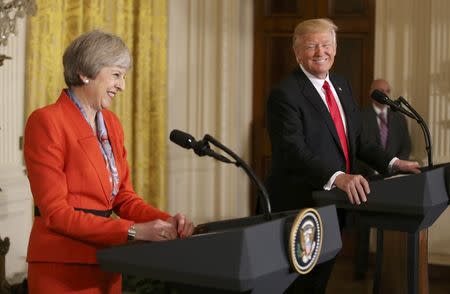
x,y
79,175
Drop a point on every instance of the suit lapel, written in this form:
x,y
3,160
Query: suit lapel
x,y
349,108
88,142
347,105
374,125
391,138
310,93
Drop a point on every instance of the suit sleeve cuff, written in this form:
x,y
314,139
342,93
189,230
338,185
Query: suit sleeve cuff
x,y
391,168
330,184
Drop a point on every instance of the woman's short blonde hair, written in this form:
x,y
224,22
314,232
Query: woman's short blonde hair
x,y
313,26
92,51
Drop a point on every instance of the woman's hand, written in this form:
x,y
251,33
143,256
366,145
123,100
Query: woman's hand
x,y
183,225
157,230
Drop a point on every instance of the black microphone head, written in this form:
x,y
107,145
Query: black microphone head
x,y
379,96
182,139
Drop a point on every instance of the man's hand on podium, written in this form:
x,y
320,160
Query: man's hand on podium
x,y
406,166
356,187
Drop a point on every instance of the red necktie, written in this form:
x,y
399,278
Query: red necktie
x,y
337,119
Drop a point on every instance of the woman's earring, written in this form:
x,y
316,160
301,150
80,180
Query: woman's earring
x,y
86,81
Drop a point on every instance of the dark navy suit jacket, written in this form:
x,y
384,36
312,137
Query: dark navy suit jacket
x,y
398,142
306,150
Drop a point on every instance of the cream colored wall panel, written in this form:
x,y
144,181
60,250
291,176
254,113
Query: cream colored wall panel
x,y
412,51
210,82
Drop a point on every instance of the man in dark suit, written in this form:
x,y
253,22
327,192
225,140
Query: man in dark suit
x,y
384,127
314,127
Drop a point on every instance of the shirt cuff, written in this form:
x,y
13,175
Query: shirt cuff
x,y
391,168
330,184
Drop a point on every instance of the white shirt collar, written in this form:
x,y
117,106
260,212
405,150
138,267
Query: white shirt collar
x,y
379,110
318,83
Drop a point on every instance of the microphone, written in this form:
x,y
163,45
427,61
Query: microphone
x,y
182,139
201,148
381,98
425,130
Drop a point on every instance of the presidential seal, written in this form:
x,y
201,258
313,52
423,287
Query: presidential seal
x,y
305,240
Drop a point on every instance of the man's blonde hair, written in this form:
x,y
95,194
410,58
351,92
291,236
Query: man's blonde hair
x,y
312,26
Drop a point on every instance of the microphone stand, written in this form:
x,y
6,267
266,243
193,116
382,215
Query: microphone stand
x,y
201,148
240,163
423,125
397,107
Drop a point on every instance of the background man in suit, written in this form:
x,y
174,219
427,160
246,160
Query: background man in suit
x,y
314,128
388,129
384,127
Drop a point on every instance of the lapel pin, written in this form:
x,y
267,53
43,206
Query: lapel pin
x,y
339,88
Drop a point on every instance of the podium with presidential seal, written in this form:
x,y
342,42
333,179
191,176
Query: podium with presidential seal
x,y
404,203
250,255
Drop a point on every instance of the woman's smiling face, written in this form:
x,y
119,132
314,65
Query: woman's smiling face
x,y
104,87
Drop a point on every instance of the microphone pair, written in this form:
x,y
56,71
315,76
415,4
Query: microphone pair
x,y
381,98
396,105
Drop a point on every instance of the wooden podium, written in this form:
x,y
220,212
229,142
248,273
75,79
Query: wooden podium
x,y
406,203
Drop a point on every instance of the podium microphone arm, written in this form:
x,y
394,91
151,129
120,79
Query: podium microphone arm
x,y
425,130
380,97
240,163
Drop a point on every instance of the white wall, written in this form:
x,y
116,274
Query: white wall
x,y
15,196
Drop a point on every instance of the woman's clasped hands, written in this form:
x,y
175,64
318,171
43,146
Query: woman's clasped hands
x,y
177,226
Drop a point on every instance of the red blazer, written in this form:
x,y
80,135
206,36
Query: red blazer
x,y
66,170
